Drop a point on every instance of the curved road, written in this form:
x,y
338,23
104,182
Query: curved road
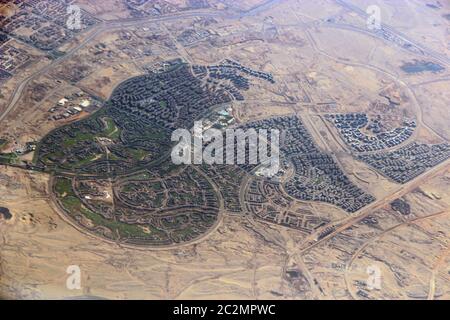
x,y
123,23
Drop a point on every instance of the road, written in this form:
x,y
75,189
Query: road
x,y
441,262
437,56
385,232
102,27
119,24
312,240
406,86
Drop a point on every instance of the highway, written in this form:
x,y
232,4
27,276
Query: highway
x,y
385,232
312,240
438,56
102,27
119,24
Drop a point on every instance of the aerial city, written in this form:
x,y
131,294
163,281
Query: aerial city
x,y
225,149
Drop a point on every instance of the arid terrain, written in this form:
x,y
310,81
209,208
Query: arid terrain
x,y
360,210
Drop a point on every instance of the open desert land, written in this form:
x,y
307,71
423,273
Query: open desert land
x,y
359,210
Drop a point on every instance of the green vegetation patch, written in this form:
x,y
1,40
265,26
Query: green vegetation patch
x,y
82,136
73,204
63,186
163,104
8,158
85,161
138,154
3,143
112,130
124,230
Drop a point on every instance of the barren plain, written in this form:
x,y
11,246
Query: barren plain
x,y
361,211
